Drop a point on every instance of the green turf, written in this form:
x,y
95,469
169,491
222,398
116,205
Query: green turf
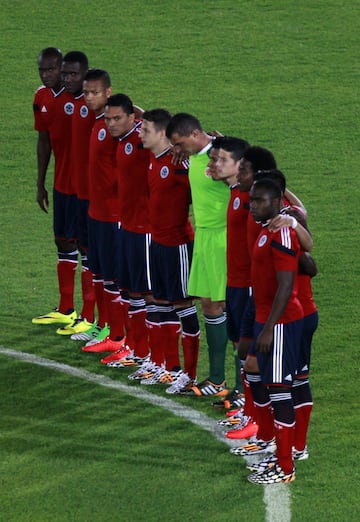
x,y
280,74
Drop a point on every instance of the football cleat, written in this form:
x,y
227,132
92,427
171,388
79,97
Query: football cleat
x,y
245,430
272,475
55,317
129,360
159,375
102,334
207,389
234,420
260,467
182,380
147,369
300,454
255,447
88,335
232,400
80,325
107,345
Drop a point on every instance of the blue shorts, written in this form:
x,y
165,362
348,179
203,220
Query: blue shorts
x,y
310,325
236,303
133,267
169,270
65,217
83,222
278,367
248,320
104,248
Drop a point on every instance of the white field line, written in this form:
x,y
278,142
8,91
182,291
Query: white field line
x,y
277,498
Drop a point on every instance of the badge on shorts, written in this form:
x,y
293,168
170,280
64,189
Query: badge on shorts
x,y
101,134
84,111
262,240
128,148
69,108
236,203
164,172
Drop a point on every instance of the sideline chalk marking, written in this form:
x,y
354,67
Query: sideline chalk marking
x,y
276,496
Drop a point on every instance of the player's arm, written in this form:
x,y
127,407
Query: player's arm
x,y
43,158
295,201
285,280
138,111
307,265
293,220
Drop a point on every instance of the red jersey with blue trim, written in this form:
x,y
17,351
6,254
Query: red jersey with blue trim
x,y
132,166
82,124
237,253
275,252
53,113
103,193
170,198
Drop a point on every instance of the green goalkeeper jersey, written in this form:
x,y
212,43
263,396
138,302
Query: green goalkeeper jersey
x,y
209,198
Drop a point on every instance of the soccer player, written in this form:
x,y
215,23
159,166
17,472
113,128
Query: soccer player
x,y
229,151
53,109
208,270
132,162
279,322
74,68
170,257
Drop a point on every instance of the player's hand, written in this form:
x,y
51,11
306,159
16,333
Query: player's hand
x,y
264,340
179,157
42,199
280,221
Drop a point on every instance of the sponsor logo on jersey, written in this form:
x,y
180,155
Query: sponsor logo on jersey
x,y
101,134
69,108
236,203
164,172
262,240
128,148
288,377
43,109
84,111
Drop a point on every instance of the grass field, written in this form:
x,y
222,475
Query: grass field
x,y
282,75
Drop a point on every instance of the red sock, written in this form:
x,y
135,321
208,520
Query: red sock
x,y
100,302
66,279
170,338
264,418
139,332
302,420
249,408
190,347
284,443
115,314
156,346
127,323
88,295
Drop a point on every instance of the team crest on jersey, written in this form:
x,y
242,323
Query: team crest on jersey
x,y
84,111
101,134
236,203
164,172
128,148
69,108
262,240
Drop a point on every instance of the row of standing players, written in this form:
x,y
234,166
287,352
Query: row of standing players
x,y
124,180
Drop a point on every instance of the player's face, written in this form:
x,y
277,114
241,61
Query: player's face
x,y
226,167
262,205
149,135
73,76
95,95
211,170
117,121
50,71
245,175
187,144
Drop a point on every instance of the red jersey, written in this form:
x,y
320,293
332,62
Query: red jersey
x,y
82,124
53,113
132,166
274,252
104,202
169,200
237,253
